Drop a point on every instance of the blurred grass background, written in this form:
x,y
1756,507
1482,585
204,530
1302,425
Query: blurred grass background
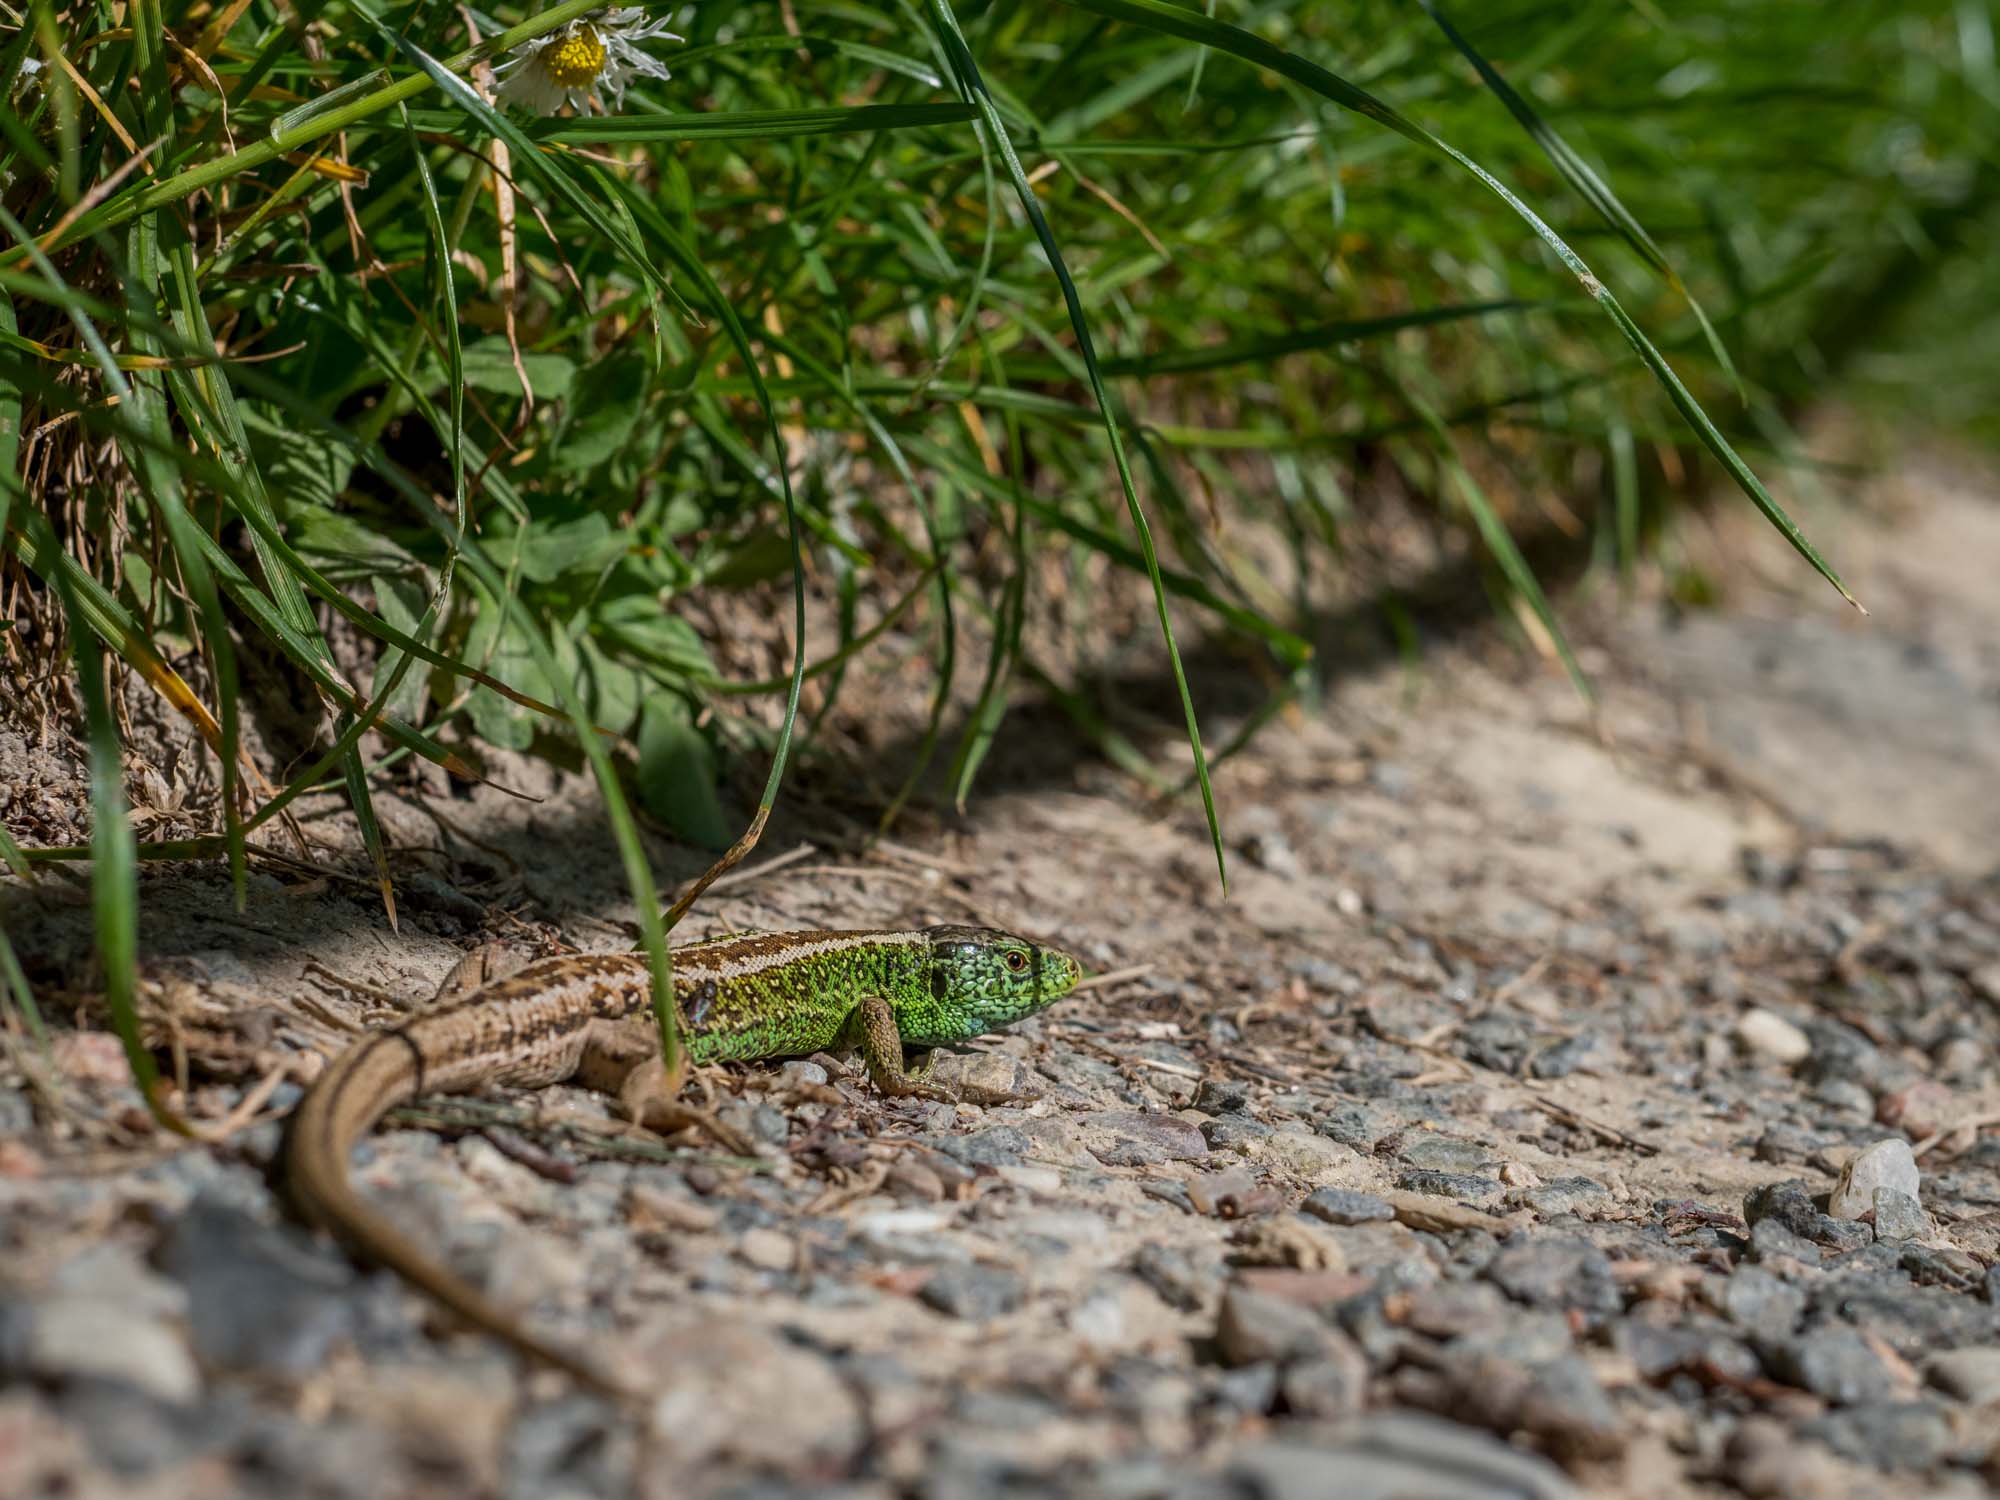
x,y
329,391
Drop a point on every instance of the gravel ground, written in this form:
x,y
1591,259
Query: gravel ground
x,y
1549,1110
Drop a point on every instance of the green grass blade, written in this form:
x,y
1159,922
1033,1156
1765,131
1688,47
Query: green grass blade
x,y
1195,27
723,125
145,403
1587,184
10,453
16,984
114,868
1625,495
970,83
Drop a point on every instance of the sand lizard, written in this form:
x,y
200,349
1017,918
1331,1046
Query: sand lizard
x,y
590,1019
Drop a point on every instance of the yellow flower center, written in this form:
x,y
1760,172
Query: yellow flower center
x,y
576,61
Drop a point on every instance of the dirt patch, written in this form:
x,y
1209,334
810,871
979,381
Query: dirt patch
x,y
1480,1143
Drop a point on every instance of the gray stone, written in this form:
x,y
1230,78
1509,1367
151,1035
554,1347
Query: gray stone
x,y
1843,1236
1459,1310
134,1433
69,1337
110,1272
1432,1152
17,1113
259,1299
726,1389
1842,1054
1846,1098
1884,1164
1558,1402
1937,1265
999,1146
1587,1052
974,1292
1393,1456
1766,1460
1449,1185
1898,1216
1787,1203
1760,1302
1549,1272
1564,1195
1969,1374
1894,1436
1781,1143
1126,1138
1254,1327
1770,1240
1234,1133
1521,1338
573,1446
1355,1125
1330,1383
1251,1389
799,1070
1915,1321
1657,1351
1222,1096
1837,1363
1345,1206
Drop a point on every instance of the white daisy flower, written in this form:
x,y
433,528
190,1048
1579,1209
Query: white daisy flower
x,y
592,52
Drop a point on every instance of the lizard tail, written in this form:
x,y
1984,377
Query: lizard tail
x,y
344,1103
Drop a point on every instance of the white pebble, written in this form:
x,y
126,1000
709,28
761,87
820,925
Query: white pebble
x,y
1885,1164
1769,1034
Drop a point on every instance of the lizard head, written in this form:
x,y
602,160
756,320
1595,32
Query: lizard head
x,y
983,979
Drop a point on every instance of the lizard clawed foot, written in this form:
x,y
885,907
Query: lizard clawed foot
x,y
905,1087
978,1093
902,1087
668,1115
648,1099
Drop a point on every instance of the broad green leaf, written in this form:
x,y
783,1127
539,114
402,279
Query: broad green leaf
x,y
677,775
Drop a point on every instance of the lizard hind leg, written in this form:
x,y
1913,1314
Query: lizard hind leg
x,y
625,1061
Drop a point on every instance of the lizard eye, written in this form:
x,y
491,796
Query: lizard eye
x,y
1016,960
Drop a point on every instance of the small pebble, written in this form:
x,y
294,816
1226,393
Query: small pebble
x,y
1924,1108
973,1292
1345,1206
1835,1362
1785,1203
767,1249
1253,1327
1765,1033
1898,1216
1449,1185
1960,1058
1333,1382
1846,1099
1884,1164
1971,1375
1772,1241
1762,1303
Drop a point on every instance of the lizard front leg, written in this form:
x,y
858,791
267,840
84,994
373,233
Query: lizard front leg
x,y
873,1029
